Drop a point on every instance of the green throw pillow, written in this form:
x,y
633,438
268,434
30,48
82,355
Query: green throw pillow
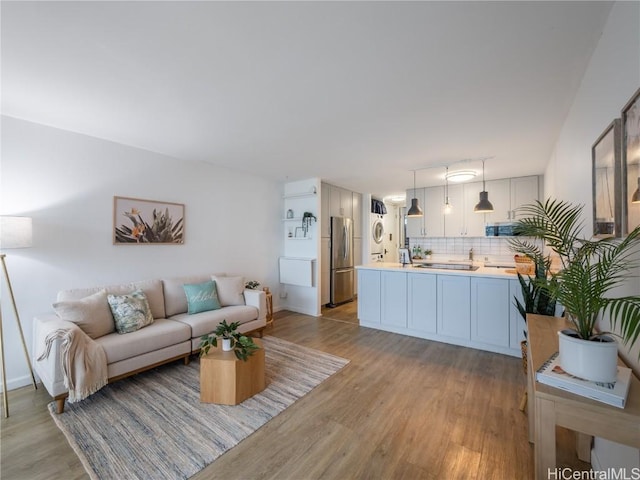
x,y
201,297
131,312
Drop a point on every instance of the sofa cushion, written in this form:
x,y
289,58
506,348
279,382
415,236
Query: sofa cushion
x,y
201,297
175,300
230,290
151,288
92,314
206,322
162,333
130,311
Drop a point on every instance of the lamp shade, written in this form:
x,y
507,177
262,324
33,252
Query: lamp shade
x,y
15,232
484,205
415,210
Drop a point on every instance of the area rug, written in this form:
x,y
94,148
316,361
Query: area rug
x,y
153,426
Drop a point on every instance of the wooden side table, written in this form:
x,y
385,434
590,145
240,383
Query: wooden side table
x,y
269,296
226,380
549,406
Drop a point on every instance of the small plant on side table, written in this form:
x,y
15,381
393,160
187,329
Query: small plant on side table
x,y
242,346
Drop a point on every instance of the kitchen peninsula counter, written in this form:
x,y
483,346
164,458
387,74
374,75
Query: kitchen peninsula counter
x,y
471,308
415,268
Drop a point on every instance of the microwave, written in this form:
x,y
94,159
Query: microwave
x,y
506,229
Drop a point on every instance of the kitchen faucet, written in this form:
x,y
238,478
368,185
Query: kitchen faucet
x,y
471,254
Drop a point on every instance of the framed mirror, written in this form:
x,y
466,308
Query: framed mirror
x,y
631,163
607,208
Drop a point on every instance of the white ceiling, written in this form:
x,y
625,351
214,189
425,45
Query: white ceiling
x,y
357,93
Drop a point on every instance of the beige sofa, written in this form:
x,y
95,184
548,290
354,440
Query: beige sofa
x,y
174,333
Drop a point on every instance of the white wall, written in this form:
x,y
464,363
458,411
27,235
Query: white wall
x,y
612,76
67,181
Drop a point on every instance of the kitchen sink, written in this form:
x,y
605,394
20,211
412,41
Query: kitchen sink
x,y
448,266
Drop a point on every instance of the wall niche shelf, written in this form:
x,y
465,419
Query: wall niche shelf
x,y
300,195
298,238
294,219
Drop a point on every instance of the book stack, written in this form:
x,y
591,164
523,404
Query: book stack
x,y
611,393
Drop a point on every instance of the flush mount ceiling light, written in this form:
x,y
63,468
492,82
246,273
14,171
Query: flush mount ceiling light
x,y
415,210
395,199
635,198
484,205
460,175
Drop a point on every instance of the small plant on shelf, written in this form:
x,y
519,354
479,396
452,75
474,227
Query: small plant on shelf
x,y
242,346
307,218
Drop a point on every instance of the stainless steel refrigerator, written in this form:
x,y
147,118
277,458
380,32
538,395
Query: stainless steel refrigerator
x,y
342,271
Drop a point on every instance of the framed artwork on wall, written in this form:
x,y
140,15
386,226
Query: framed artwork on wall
x,y
631,163
606,177
144,222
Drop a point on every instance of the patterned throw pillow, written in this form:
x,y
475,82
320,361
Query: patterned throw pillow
x,y
201,297
91,314
131,312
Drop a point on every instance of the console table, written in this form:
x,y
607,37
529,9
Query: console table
x,y
549,406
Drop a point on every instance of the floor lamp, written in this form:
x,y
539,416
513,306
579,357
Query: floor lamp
x,y
15,232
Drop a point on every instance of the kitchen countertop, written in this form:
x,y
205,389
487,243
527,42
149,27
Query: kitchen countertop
x,y
482,271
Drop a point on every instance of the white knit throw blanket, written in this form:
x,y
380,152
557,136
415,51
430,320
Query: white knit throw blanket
x,y
84,363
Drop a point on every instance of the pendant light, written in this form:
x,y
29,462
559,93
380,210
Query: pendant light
x,y
484,205
415,210
635,198
447,206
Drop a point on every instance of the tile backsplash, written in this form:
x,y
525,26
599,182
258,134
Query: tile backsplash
x,y
493,248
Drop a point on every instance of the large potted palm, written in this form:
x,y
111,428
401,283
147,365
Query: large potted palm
x,y
589,270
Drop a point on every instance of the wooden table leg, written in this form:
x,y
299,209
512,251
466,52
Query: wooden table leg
x,y
545,438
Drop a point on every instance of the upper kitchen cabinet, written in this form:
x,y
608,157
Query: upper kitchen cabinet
x,y
508,194
415,225
463,221
340,202
325,210
433,215
357,214
431,224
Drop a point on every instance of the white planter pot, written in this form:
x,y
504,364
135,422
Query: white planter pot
x,y
226,344
595,361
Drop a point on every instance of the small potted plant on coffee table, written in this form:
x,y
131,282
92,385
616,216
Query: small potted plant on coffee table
x,y
242,346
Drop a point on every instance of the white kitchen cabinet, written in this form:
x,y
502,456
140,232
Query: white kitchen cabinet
x,y
422,302
473,222
524,190
325,210
454,221
508,194
357,214
463,221
433,214
454,306
500,197
325,270
517,324
490,311
393,299
415,225
369,296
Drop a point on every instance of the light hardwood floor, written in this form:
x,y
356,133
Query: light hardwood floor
x,y
402,408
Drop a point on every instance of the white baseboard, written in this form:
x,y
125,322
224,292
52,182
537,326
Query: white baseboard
x,y
17,383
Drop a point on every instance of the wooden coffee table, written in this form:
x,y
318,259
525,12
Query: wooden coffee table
x,y
226,380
